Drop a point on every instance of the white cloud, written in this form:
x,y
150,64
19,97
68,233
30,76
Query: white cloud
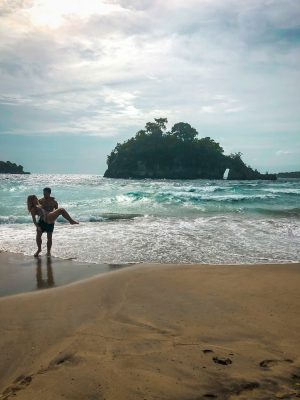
x,y
106,68
284,152
53,13
221,104
234,109
207,109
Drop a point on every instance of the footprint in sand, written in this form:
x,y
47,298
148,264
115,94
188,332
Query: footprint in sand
x,y
64,358
222,360
206,351
233,389
23,380
267,364
20,383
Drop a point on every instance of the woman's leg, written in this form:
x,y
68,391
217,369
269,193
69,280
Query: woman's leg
x,y
53,215
38,242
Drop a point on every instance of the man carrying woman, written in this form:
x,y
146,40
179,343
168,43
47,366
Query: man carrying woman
x,y
47,210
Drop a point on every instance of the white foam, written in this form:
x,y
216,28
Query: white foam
x,y
182,224
153,239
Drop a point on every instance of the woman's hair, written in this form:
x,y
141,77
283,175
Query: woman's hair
x,y
30,202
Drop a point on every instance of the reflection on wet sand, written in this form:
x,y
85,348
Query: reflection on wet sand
x,y
20,274
47,282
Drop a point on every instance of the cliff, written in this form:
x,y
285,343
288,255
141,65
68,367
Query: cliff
x,y
177,154
11,168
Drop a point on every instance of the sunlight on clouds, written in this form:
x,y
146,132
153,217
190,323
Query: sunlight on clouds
x,y
207,109
105,67
122,99
52,13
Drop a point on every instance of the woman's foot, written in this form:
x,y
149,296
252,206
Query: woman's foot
x,y
74,222
48,254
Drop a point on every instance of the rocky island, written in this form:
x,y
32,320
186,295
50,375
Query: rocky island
x,y
289,175
157,153
11,168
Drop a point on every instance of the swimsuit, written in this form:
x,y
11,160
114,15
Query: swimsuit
x,y
45,227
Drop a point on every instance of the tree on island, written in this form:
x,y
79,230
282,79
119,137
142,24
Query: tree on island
x,y
157,153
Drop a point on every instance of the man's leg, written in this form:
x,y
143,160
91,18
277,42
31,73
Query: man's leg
x,y
38,242
49,243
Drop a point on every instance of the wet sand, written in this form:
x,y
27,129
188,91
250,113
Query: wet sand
x,y
156,332
19,274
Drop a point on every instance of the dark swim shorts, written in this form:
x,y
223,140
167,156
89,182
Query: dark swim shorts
x,y
45,227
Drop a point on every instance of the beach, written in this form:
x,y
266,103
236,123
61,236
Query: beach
x,y
149,200
156,332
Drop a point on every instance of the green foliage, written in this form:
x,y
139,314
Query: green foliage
x,y
184,132
11,168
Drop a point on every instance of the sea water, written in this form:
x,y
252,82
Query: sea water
x,y
158,221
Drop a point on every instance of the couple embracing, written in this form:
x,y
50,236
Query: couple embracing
x,y
47,210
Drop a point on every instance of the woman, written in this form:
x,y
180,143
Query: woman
x,y
36,209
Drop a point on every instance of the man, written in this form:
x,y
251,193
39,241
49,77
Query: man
x,y
49,204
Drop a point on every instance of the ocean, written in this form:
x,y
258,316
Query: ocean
x,y
158,221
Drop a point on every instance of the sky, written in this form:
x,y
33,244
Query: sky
x,y
76,77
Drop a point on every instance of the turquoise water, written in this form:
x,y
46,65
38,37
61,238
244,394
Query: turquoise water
x,y
158,221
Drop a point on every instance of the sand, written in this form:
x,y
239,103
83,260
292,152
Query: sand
x,y
156,332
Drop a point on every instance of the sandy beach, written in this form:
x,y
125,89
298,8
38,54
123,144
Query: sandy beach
x,y
156,332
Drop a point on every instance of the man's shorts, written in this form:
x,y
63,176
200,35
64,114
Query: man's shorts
x,y
45,227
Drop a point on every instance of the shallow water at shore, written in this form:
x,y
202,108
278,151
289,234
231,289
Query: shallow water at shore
x,y
165,221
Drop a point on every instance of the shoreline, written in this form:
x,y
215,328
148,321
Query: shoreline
x,y
20,273
25,273
156,332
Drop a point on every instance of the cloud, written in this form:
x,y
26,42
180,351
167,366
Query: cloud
x,y
14,100
11,6
207,109
228,68
284,152
220,104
